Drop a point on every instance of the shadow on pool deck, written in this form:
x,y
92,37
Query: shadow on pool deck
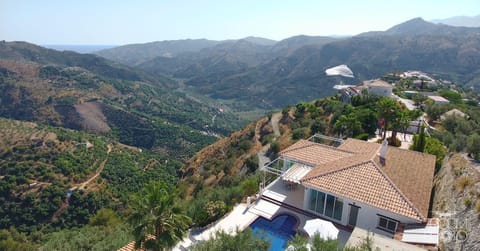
x,y
279,198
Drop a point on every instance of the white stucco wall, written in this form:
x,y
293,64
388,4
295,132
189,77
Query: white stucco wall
x,y
367,215
380,90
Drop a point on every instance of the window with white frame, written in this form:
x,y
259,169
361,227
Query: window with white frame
x,y
387,224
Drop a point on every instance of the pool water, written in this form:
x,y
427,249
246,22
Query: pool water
x,y
277,231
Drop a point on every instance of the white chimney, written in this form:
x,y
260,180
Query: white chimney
x,y
383,152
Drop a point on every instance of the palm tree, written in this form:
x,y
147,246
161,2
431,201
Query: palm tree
x,y
157,223
403,122
387,111
348,125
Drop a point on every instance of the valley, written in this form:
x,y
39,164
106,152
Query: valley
x,y
251,75
83,137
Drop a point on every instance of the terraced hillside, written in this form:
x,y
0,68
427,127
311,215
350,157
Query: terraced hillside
x,y
39,165
35,85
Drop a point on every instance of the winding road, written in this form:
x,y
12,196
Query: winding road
x,y
82,185
274,120
99,171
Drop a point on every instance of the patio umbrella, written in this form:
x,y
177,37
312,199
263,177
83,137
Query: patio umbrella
x,y
326,229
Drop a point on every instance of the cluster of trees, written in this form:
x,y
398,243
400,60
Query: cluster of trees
x,y
130,128
423,143
211,203
35,177
127,172
361,118
461,134
104,231
458,133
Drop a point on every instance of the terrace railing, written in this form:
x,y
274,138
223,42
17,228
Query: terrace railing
x,y
326,140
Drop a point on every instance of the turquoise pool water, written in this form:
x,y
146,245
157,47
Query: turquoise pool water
x,y
278,231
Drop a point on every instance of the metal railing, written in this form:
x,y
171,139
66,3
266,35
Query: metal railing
x,y
326,140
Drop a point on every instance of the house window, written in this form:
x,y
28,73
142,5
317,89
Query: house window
x,y
329,206
325,204
337,211
387,224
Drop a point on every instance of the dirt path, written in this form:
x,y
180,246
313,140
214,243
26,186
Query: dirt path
x,y
473,162
65,204
262,157
274,120
99,171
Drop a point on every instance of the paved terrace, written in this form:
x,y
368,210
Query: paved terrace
x,y
289,198
278,198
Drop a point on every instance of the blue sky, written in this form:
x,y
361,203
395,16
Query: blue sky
x,y
116,22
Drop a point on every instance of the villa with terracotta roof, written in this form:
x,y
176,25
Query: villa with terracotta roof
x,y
372,186
378,87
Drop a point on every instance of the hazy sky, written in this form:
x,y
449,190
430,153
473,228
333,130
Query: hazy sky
x,y
116,22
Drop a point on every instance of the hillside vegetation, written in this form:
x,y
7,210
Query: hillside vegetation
x,y
228,170
40,164
455,195
86,92
457,202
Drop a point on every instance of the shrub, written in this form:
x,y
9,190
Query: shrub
x,y
467,202
394,142
215,209
298,133
435,147
245,145
285,110
363,136
477,207
318,126
104,217
473,145
252,163
267,138
275,147
463,182
249,187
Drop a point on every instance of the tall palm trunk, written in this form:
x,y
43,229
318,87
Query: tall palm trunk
x,y
385,130
394,134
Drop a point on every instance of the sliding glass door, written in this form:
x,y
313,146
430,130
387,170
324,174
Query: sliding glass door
x,y
325,204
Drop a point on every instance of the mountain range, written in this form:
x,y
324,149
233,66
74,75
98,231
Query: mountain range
x,y
249,74
150,112
90,93
464,21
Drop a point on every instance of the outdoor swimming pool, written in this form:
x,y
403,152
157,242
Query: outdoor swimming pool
x,y
277,231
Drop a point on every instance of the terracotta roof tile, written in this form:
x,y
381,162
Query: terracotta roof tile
x,y
365,182
403,185
359,146
313,153
337,164
412,172
130,247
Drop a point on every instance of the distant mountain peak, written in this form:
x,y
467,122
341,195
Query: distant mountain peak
x,y
416,20
259,40
413,26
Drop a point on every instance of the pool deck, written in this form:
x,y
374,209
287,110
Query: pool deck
x,y
272,202
239,218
